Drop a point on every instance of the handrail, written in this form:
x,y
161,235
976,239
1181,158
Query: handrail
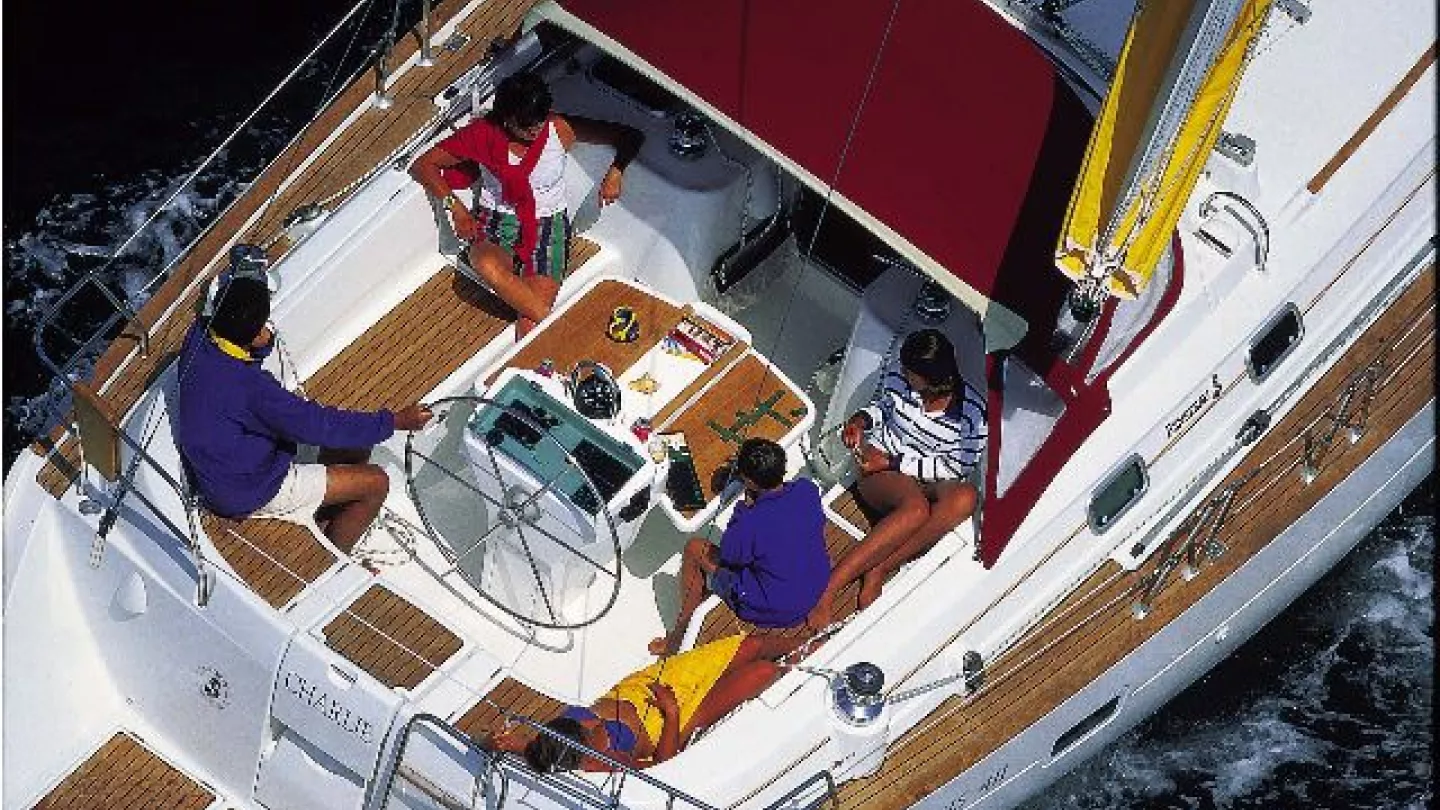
x,y
501,762
122,310
385,783
671,792
1262,235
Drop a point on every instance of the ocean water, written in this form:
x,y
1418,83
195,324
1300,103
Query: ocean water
x,y
1328,707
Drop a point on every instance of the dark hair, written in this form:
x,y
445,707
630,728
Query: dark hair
x,y
547,755
931,355
241,308
521,99
762,462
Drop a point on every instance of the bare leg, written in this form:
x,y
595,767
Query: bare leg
x,y
357,492
545,290
906,510
954,501
747,676
330,456
692,591
771,646
496,267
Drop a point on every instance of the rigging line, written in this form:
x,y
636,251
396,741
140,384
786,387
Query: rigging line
x,y
225,143
325,100
809,252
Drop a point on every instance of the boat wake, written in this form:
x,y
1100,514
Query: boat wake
x,y
77,233
1329,706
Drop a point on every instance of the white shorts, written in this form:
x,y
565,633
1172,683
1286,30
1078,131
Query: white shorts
x,y
301,493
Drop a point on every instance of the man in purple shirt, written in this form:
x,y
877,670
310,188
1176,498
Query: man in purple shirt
x,y
239,429
771,565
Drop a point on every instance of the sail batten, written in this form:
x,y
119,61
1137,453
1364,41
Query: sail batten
x,y
1179,70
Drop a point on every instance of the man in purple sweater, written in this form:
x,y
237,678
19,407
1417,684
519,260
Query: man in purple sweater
x,y
771,565
239,429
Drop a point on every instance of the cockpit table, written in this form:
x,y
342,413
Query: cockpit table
x,y
717,393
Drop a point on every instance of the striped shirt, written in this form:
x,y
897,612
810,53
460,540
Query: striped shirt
x,y
928,446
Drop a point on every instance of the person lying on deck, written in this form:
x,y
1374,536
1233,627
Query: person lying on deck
x,y
650,715
915,446
519,233
771,564
239,429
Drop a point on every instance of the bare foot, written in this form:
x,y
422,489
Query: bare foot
x,y
869,589
664,645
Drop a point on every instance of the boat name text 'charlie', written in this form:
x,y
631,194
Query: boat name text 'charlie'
x,y
331,709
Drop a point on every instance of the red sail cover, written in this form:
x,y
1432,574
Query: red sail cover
x,y
949,137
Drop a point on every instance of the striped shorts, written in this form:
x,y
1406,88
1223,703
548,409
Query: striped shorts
x,y
552,248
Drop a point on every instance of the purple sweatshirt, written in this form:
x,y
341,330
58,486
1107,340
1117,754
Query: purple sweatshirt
x,y
238,427
775,551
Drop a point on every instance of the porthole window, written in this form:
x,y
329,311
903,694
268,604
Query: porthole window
x,y
1082,729
1276,340
1122,488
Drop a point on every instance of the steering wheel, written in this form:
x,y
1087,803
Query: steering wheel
x,y
597,396
526,542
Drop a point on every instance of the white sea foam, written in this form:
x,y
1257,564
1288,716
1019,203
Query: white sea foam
x,y
78,233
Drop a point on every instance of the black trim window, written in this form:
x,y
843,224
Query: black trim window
x,y
1121,489
1083,728
1279,337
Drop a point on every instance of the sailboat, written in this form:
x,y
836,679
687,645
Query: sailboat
x,y
1186,251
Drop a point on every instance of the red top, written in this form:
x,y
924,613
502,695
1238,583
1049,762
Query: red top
x,y
488,145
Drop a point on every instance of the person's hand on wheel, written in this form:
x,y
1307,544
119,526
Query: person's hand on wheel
x,y
412,417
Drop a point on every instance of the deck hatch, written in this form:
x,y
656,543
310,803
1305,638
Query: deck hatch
x,y
1121,489
390,638
1279,337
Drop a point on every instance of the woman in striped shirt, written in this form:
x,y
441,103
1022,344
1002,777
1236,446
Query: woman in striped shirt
x,y
915,445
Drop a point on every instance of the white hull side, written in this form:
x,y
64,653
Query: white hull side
x,y
1212,629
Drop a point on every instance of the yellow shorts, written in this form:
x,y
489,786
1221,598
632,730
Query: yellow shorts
x,y
690,675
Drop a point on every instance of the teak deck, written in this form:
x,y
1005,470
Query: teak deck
x,y
124,773
393,640
1051,664
275,558
483,719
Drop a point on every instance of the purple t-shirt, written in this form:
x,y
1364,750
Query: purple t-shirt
x,y
774,551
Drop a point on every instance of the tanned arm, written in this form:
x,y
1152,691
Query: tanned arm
x,y
426,171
